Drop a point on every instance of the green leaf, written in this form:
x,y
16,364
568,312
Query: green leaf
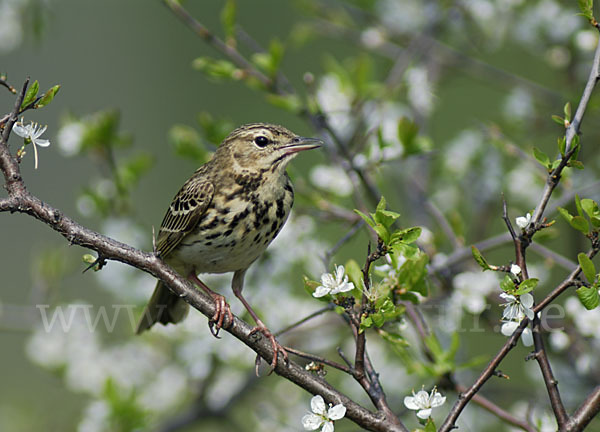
x,y
48,96
590,207
383,233
366,218
406,236
578,205
559,120
526,286
218,69
580,224
355,276
310,286
228,15
479,258
575,164
31,94
587,266
586,7
588,296
365,323
430,426
565,214
541,157
562,143
507,284
595,222
567,111
412,273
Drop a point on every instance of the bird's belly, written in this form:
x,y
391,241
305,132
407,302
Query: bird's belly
x,y
232,236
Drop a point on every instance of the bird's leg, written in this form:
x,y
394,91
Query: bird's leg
x,y
221,307
237,284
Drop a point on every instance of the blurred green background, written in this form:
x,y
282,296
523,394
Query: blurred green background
x,y
136,57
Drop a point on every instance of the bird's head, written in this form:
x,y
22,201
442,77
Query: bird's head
x,y
263,147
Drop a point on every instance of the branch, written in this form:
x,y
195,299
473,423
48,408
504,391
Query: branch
x,y
551,383
497,411
21,201
572,130
585,413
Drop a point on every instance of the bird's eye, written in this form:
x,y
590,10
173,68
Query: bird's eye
x,y
261,141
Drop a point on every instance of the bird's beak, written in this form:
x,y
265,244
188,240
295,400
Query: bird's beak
x,y
299,144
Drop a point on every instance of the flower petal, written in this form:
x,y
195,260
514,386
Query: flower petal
x,y
527,337
508,328
424,413
339,274
317,405
328,427
526,300
42,142
508,297
336,412
312,422
327,280
410,403
437,400
530,314
20,130
321,291
348,286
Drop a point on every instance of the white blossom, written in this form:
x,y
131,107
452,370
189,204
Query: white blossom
x,y
321,416
517,307
424,402
509,327
32,133
523,221
333,284
515,269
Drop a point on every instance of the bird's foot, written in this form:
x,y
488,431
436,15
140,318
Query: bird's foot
x,y
222,310
277,348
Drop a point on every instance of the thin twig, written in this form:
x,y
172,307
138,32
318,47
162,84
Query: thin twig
x,y
585,413
319,359
572,130
298,323
20,200
491,407
551,383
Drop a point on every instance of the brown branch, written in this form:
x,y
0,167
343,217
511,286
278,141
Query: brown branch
x,y
213,40
551,383
487,373
21,201
585,413
572,130
320,359
499,412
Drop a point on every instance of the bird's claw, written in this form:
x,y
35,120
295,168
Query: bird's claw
x,y
218,321
277,348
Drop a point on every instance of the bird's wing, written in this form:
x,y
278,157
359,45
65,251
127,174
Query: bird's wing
x,y
184,213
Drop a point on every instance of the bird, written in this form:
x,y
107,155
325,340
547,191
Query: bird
x,y
224,217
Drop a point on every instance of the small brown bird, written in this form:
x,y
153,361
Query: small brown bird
x,y
224,217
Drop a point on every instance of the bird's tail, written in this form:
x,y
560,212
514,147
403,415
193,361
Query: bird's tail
x,y
164,307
